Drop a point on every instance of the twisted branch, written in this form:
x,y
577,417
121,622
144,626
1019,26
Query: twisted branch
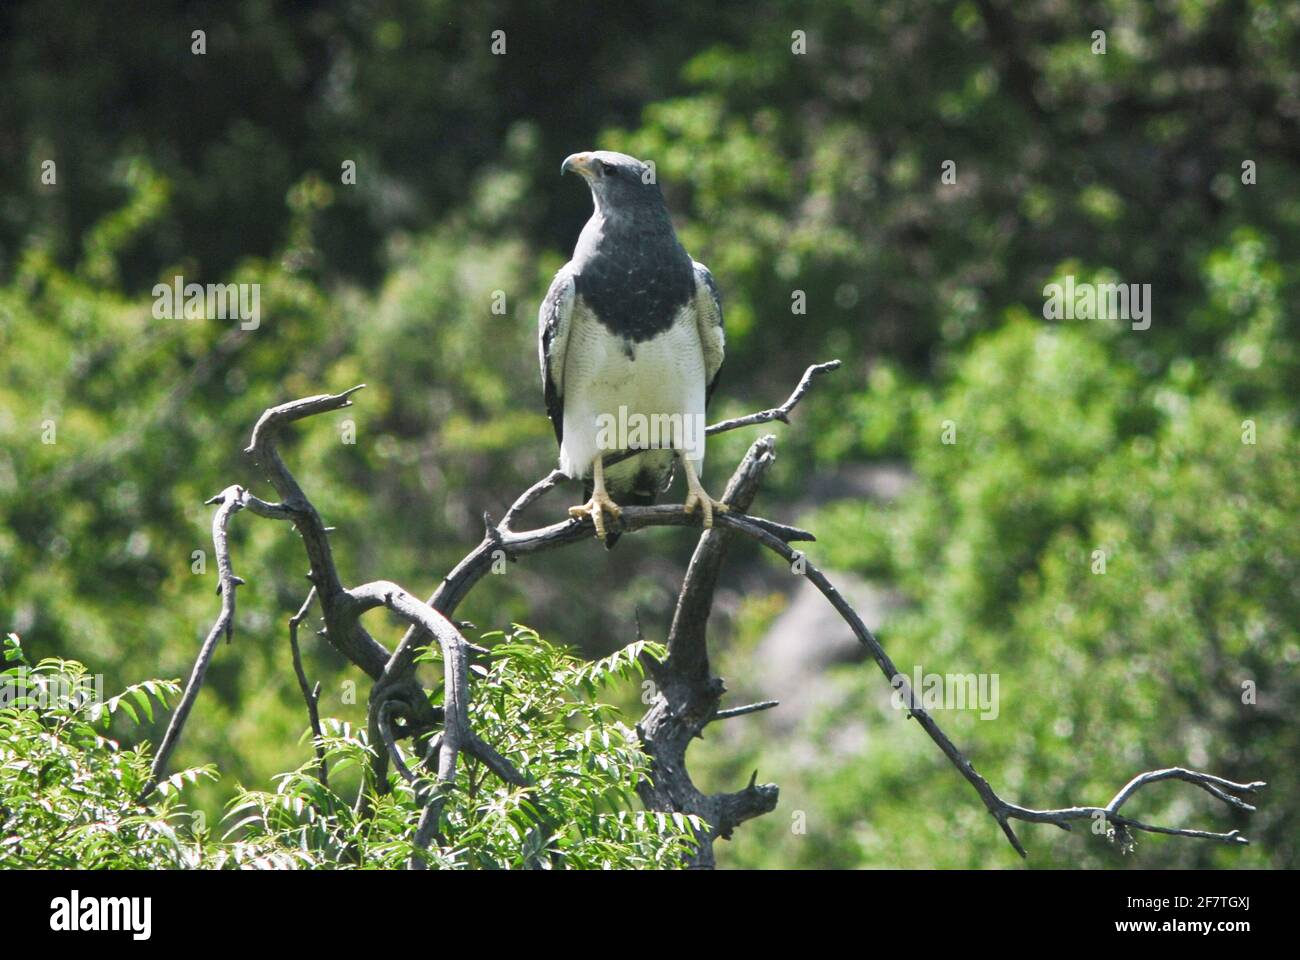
x,y
688,697
341,608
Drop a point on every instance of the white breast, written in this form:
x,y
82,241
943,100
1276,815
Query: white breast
x,y
613,387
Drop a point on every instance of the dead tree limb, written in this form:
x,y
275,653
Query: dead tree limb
x,y
310,695
341,609
782,412
228,503
687,696
1001,810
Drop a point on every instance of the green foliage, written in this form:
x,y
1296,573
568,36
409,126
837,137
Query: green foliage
x,y
67,792
535,704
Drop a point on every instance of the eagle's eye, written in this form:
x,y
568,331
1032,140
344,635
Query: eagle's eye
x,y
608,169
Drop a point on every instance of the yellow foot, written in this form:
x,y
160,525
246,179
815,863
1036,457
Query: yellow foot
x,y
696,496
596,508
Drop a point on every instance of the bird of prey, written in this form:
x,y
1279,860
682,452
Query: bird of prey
x,y
629,337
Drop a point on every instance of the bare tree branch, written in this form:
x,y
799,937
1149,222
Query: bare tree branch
x,y
340,614
687,650
782,412
1002,811
383,717
476,564
229,503
531,495
687,698
1215,786
346,637
311,695
746,710
457,733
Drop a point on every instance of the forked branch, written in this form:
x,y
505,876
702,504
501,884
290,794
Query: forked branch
x,y
687,697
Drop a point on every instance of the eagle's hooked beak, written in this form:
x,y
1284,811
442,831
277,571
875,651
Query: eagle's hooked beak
x,y
578,163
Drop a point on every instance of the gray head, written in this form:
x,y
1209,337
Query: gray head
x,y
619,183
630,270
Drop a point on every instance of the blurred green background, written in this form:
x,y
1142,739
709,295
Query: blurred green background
x,y
818,172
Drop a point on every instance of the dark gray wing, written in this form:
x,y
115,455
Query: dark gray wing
x,y
552,342
708,316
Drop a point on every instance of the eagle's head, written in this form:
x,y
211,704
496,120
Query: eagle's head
x,y
619,183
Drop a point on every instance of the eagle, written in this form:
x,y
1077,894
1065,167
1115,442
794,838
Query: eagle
x,y
630,342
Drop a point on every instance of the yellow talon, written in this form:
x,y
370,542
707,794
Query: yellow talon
x,y
600,502
696,495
